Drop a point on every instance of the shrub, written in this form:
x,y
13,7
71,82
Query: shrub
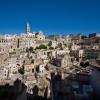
x,y
42,46
31,49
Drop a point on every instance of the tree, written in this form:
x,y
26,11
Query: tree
x,y
21,71
31,49
42,46
50,43
83,36
26,49
37,48
84,64
60,46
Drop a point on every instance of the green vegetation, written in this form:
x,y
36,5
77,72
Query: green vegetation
x,y
84,64
42,46
50,43
31,49
21,70
83,36
60,44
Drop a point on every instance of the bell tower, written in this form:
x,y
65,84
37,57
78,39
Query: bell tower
x,y
27,28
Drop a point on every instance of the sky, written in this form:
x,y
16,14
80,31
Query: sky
x,y
50,16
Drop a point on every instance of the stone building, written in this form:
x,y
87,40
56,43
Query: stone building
x,y
92,54
8,42
62,61
75,38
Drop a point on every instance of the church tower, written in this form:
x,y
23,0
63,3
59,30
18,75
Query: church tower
x,y
27,28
